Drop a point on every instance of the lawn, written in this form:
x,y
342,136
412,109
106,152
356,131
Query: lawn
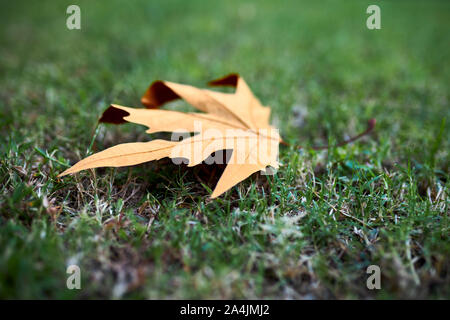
x,y
151,231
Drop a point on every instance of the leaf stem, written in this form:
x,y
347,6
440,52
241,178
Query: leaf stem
x,y
370,126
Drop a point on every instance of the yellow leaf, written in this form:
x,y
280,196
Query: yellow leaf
x,y
229,121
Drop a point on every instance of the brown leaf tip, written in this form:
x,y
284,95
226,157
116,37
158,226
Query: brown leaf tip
x,y
157,95
113,115
229,80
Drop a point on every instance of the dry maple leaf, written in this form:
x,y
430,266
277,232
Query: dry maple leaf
x,y
230,121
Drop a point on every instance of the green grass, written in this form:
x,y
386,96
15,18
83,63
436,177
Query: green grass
x,y
310,231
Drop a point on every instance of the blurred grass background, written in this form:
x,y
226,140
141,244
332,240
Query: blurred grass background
x,y
308,232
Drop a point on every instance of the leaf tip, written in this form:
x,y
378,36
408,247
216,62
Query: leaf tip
x,y
158,94
113,115
228,80
64,173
